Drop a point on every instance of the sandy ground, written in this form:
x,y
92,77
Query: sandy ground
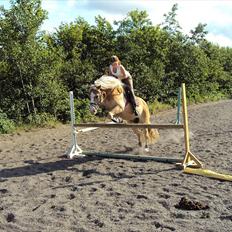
x,y
41,190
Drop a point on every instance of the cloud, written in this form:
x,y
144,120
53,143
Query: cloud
x,y
216,14
117,7
220,39
50,5
218,30
71,3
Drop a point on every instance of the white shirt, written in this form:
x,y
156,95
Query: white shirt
x,y
119,73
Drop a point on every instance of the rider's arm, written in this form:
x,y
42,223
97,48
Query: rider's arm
x,y
123,72
110,72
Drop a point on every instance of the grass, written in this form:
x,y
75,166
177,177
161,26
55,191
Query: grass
x,y
156,107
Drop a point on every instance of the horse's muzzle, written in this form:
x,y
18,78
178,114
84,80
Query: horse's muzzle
x,y
93,108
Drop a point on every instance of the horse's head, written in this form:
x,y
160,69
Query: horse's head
x,y
97,96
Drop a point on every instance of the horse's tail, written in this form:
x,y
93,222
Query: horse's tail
x,y
153,135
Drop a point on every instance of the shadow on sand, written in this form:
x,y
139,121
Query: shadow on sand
x,y
32,167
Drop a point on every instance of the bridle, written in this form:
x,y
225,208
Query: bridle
x,y
93,104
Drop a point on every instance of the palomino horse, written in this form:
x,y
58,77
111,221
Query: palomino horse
x,y
108,93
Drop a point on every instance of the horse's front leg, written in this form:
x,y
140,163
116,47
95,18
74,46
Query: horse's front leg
x,y
116,110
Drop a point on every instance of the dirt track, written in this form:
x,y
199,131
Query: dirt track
x,y
41,190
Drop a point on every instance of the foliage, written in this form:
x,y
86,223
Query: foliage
x,y
157,106
37,69
82,112
6,125
41,120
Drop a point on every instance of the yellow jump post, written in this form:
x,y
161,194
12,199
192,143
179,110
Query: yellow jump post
x,y
190,160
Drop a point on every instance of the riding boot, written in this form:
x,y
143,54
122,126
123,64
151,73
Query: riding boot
x,y
134,105
131,98
130,93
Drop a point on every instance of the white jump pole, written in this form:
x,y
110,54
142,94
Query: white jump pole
x,y
86,129
90,128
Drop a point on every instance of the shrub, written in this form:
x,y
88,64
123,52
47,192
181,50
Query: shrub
x,y
156,106
82,111
41,119
6,125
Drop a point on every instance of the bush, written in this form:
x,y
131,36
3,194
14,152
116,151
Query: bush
x,y
41,119
82,111
6,125
156,107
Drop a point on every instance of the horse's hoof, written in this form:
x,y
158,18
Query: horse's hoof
x,y
136,120
117,120
146,149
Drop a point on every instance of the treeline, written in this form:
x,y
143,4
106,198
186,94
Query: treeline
x,y
38,69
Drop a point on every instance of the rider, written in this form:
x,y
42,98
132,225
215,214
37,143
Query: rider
x,y
117,70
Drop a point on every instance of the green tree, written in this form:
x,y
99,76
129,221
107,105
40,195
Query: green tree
x,y
76,73
198,34
25,60
170,24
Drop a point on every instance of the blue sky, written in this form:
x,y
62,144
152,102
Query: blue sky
x,y
216,14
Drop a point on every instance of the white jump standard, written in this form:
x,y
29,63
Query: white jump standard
x,y
74,149
188,160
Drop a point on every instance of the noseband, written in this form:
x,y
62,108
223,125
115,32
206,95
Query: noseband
x,y
93,104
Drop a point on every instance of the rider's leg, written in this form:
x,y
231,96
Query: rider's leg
x,y
129,84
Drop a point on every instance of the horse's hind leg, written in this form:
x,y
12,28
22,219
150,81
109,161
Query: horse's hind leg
x,y
146,135
141,138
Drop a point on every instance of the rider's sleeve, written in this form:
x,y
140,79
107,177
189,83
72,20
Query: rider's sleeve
x,y
111,73
110,70
123,72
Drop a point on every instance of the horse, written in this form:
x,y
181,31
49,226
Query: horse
x,y
109,93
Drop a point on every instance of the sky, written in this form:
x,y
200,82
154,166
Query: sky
x,y
217,14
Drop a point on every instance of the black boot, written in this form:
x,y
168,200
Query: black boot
x,y
135,111
131,98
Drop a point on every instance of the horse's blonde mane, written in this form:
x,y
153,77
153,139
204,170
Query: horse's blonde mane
x,y
107,82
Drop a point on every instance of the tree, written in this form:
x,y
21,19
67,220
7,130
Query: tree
x,y
135,20
170,24
198,34
25,60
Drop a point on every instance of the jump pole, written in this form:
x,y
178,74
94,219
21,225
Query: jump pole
x,y
132,157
